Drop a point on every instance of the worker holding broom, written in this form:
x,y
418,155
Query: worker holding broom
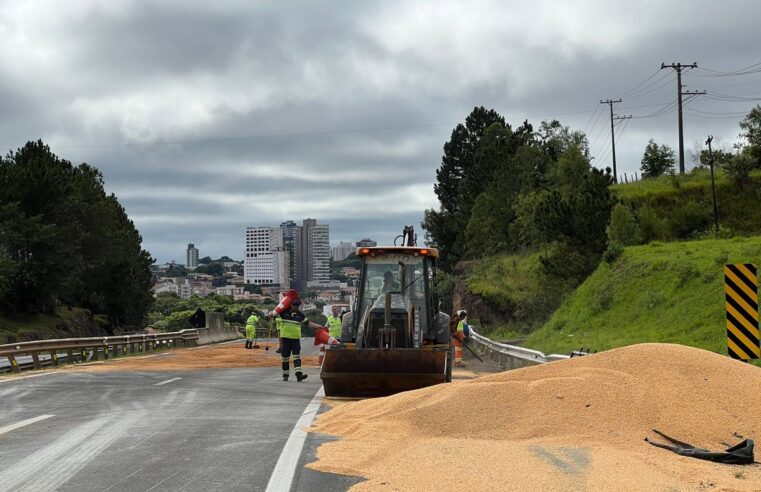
x,y
251,323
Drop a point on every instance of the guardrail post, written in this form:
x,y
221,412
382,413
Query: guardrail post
x,y
36,360
54,358
14,364
70,356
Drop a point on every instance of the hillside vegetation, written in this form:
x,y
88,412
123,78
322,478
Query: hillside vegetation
x,y
510,295
661,292
680,207
63,323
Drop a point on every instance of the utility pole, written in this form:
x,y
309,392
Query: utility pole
x,y
613,118
713,185
679,67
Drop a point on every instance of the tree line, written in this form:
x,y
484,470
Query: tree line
x,y
506,190
65,242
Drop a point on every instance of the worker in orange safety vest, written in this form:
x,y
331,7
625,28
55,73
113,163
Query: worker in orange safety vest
x,y
459,335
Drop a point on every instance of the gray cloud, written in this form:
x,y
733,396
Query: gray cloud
x,y
205,118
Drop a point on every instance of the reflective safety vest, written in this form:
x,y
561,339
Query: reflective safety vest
x,y
289,328
252,321
334,324
461,326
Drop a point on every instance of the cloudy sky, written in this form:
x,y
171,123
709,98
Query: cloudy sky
x,y
206,117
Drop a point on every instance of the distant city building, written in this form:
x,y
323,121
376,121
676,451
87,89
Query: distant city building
x,y
366,243
288,228
266,261
342,250
191,257
312,246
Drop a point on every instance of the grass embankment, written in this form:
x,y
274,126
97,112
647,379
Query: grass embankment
x,y
684,203
661,292
516,288
66,322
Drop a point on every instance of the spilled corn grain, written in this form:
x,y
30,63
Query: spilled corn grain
x,y
574,424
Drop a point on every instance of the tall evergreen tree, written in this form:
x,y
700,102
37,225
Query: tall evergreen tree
x,y
63,240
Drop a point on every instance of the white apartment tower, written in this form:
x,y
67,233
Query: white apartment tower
x,y
191,257
266,260
312,242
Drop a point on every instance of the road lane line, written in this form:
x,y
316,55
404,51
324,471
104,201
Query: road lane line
x,y
23,423
15,475
282,476
12,377
66,466
167,381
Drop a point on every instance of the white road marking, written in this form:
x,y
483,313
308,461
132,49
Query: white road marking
x,y
13,377
67,465
167,381
282,476
23,423
15,475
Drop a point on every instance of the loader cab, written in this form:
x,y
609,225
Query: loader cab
x,y
402,277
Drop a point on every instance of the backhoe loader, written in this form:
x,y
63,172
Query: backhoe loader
x,y
394,339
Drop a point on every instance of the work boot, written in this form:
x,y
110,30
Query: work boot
x,y
248,344
285,377
300,377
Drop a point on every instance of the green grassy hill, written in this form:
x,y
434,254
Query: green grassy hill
x,y
661,292
508,295
65,323
683,205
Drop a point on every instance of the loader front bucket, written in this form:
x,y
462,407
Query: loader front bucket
x,y
366,373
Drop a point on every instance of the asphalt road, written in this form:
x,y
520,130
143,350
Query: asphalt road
x,y
213,429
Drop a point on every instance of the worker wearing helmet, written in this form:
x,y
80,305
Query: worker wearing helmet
x,y
251,323
290,322
459,336
333,325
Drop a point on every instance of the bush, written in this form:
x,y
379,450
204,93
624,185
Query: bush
x,y
613,251
651,227
623,228
738,169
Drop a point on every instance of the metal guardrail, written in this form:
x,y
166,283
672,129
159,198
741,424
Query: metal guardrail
x,y
92,348
513,356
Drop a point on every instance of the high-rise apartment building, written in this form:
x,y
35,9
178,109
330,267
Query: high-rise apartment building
x,y
312,251
288,229
320,257
342,250
191,257
266,260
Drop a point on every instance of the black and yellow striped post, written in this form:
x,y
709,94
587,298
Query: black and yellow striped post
x,y
741,293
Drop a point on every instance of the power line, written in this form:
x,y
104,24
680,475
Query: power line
x,y
653,87
707,72
667,109
596,111
639,85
